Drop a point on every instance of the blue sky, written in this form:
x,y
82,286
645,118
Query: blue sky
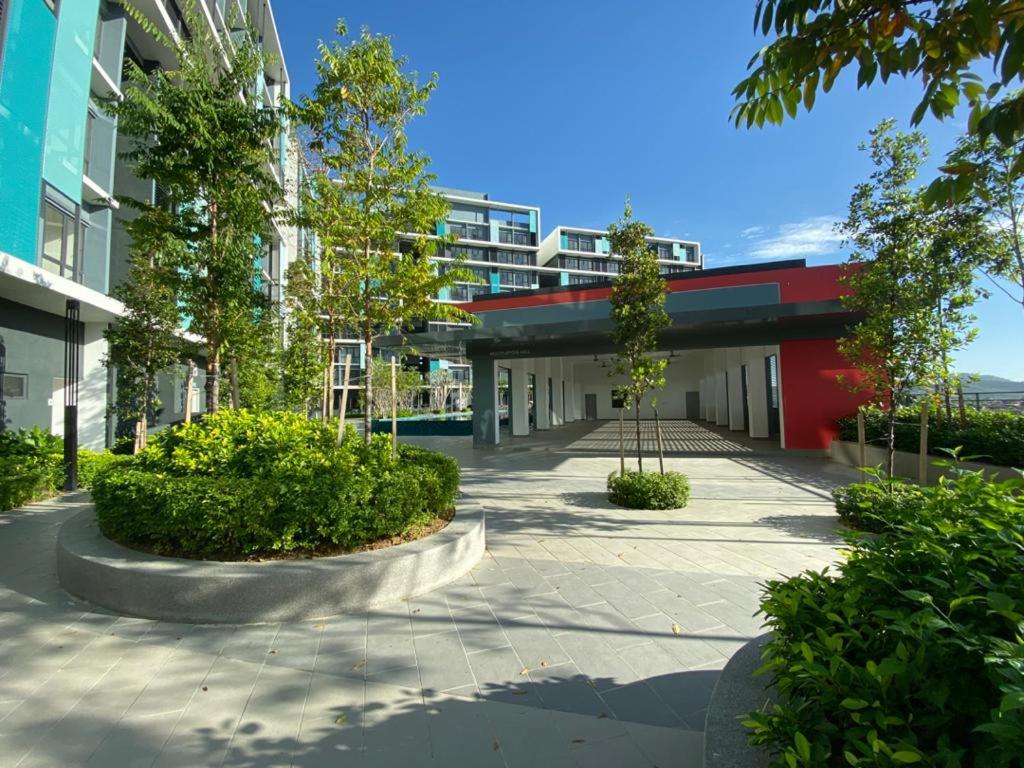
x,y
572,105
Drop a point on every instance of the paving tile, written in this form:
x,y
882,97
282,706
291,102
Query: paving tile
x,y
566,689
637,703
532,641
442,662
500,676
604,667
528,737
665,747
478,628
430,614
461,734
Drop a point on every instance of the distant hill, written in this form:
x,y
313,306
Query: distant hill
x,y
988,383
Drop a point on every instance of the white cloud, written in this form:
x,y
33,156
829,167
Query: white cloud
x,y
814,236
750,232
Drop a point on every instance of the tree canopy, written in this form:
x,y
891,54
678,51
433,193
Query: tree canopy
x,y
370,200
940,42
638,312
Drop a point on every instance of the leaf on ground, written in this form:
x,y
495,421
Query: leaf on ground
x,y
524,670
341,719
273,650
205,688
519,692
676,629
577,741
416,610
359,664
543,663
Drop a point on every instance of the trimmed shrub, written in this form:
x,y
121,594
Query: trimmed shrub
x,y
240,484
649,490
911,652
996,437
875,506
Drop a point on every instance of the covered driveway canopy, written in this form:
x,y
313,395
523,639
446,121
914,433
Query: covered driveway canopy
x,y
740,317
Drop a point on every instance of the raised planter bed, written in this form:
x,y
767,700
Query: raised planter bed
x,y
94,568
845,452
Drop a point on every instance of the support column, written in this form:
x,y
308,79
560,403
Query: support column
x,y
519,398
485,401
721,400
757,392
557,401
542,371
570,392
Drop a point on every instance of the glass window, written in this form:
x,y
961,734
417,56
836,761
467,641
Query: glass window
x,y
15,386
61,242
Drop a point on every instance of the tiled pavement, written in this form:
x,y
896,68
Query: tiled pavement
x,y
588,636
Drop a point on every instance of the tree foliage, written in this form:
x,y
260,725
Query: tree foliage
x,y
441,384
638,311
144,342
999,189
304,354
939,42
408,384
370,202
909,277
209,152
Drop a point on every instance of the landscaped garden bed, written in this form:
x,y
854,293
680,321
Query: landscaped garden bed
x,y
244,485
911,651
648,490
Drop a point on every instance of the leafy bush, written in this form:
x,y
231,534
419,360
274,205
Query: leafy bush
x,y
912,652
241,483
875,506
649,490
993,436
32,466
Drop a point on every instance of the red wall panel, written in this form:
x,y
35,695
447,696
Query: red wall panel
x,y
812,398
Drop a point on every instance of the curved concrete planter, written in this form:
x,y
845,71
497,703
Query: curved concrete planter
x,y
736,693
92,567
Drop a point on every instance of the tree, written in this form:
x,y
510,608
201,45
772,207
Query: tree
x,y
408,384
441,385
940,42
209,153
370,203
999,188
638,311
304,354
144,342
909,278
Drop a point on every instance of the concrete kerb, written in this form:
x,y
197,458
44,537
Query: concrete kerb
x,y
737,692
94,568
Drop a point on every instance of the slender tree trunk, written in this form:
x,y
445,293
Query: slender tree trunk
x,y
622,443
661,452
344,399
212,378
961,406
190,376
368,393
891,439
639,445
236,394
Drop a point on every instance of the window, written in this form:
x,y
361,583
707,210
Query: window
x,y
62,241
15,385
664,250
577,242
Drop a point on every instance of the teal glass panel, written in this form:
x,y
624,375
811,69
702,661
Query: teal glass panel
x,y
563,278
533,221
64,148
28,51
564,242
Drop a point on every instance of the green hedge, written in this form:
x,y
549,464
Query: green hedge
x,y
911,651
876,506
996,437
32,466
241,484
649,490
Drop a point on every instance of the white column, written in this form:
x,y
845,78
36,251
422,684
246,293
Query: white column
x,y
735,359
518,398
757,392
92,389
542,372
557,401
569,405
577,397
721,400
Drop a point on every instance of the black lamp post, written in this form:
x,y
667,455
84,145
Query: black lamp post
x,y
72,357
3,372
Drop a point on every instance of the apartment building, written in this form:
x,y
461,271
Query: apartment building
x,y
63,246
579,256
